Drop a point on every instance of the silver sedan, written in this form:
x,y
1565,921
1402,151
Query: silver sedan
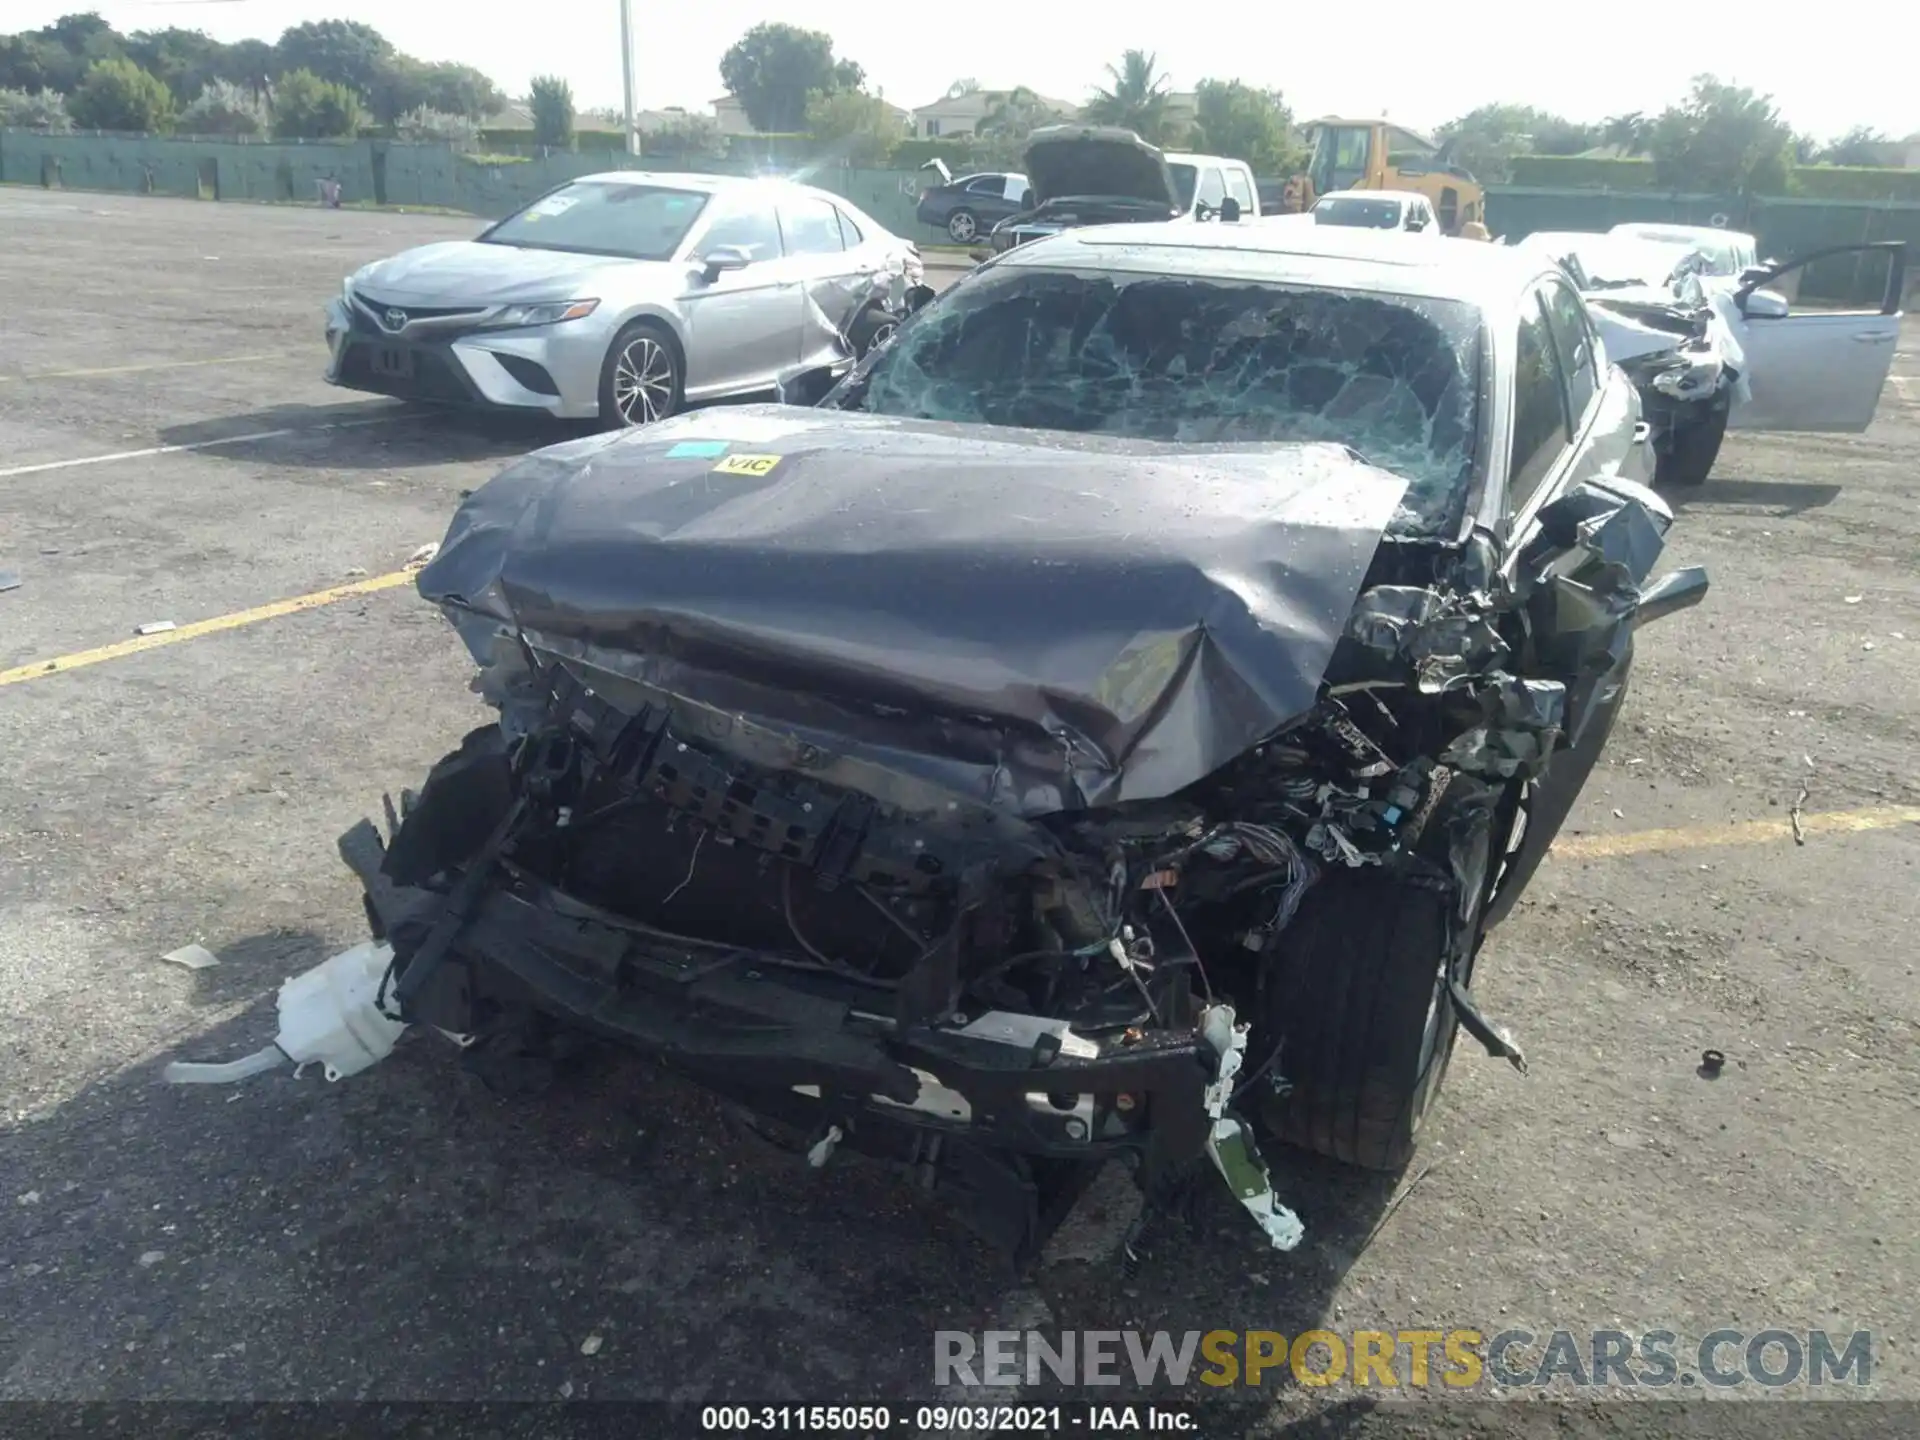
x,y
625,296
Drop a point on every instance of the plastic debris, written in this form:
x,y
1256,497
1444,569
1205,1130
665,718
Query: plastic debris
x,y
1230,1145
329,1016
591,1345
9,580
192,957
1852,599
424,554
157,627
30,1197
152,1258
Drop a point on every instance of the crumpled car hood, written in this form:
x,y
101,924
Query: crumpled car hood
x,y
1027,620
468,272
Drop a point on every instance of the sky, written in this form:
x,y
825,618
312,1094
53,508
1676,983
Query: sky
x,y
1402,58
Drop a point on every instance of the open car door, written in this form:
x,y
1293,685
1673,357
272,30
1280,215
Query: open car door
x,y
1819,336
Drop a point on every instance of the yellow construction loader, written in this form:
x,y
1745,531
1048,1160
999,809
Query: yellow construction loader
x,y
1376,155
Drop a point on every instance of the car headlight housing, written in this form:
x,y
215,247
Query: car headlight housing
x,y
552,312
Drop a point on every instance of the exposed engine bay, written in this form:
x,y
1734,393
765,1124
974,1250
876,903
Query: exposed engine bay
x,y
974,833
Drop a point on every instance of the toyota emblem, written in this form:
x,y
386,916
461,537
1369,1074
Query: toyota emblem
x,y
394,319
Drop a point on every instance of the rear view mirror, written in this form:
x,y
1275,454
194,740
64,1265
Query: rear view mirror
x,y
1764,305
1026,199
723,258
1229,209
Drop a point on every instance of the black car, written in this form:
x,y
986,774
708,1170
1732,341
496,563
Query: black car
x,y
970,206
1107,725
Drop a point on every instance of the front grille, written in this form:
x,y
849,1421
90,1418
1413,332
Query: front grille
x,y
369,313
435,376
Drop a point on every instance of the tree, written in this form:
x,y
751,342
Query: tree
x,y
43,110
1137,100
119,95
343,52
224,108
1627,133
551,100
460,90
687,137
1862,145
774,69
249,64
424,124
1001,136
1486,139
1245,123
853,127
183,60
305,107
1722,140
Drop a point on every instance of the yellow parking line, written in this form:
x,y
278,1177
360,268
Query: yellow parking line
x,y
1743,832
63,663
138,369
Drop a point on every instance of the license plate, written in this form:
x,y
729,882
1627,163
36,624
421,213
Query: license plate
x,y
395,362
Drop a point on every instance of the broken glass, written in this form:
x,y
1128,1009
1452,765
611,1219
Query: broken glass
x,y
1200,361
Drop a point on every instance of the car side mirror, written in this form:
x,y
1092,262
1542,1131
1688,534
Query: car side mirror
x,y
1676,590
1764,305
1416,223
723,258
1026,199
1230,210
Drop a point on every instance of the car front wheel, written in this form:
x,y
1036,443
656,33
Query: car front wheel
x,y
642,380
1360,1001
1695,448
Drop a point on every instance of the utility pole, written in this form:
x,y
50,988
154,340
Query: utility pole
x,y
626,73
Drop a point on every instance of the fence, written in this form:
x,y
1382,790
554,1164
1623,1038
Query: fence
x,y
391,173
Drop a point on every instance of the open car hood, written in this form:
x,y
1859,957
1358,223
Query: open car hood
x,y
1100,160
1023,620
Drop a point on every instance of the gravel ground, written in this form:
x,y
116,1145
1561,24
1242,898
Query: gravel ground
x,y
409,1234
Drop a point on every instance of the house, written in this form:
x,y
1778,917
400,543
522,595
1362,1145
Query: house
x,y
962,114
731,116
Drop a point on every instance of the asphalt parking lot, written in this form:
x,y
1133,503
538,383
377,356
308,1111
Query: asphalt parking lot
x,y
168,452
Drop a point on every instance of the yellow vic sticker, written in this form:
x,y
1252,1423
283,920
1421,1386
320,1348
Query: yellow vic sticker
x,y
745,465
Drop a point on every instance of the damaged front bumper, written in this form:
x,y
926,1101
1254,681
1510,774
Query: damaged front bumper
x,y
975,1103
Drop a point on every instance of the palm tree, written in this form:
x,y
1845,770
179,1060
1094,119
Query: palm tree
x,y
1137,100
1627,133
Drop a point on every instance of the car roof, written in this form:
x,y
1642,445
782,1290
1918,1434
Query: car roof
x,y
1381,194
690,180
1382,262
1187,157
1692,232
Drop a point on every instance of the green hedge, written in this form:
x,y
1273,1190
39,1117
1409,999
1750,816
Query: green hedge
x,y
1854,182
1584,172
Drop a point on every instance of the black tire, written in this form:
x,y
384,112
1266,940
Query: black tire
x,y
631,382
872,328
1695,447
1359,1002
963,227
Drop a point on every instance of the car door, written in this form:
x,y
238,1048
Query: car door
x,y
741,323
835,280
1819,335
1240,188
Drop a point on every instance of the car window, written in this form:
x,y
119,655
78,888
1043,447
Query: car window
x,y
1370,214
1198,360
812,226
995,185
849,232
1240,186
604,217
1539,411
1185,178
751,227
1573,342
1213,189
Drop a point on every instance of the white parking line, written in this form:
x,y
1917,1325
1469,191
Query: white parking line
x,y
46,465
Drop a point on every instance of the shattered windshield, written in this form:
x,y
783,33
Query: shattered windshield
x,y
632,222
1198,361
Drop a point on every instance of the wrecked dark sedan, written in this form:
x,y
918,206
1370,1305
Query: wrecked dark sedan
x,y
1106,727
